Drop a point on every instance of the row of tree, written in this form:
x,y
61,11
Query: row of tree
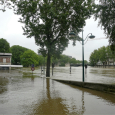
x,y
64,59
101,55
26,57
20,55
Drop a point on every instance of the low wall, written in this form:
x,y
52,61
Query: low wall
x,y
95,86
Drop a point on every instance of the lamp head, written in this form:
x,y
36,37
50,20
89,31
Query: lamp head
x,y
72,34
91,36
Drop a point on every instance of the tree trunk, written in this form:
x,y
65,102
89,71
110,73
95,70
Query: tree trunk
x,y
48,65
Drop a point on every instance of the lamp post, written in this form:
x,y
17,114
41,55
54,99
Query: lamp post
x,y
72,34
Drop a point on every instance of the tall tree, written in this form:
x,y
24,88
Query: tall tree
x,y
4,46
106,14
49,22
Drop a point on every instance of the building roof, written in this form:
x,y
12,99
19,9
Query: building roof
x,y
5,54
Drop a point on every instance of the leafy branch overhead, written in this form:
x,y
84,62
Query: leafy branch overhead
x,y
49,21
106,14
6,4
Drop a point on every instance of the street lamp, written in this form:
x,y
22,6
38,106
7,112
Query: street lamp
x,y
72,34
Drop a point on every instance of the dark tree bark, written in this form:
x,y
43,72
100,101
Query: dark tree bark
x,y
48,64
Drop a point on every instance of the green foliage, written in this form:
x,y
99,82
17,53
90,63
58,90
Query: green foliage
x,y
42,60
102,55
4,46
73,61
55,60
17,51
106,14
6,4
64,59
94,57
29,57
86,62
62,64
49,22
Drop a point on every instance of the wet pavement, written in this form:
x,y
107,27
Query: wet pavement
x,y
22,93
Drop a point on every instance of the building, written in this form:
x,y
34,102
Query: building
x,y
5,62
5,58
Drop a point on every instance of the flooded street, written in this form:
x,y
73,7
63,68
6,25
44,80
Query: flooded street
x,y
22,93
96,75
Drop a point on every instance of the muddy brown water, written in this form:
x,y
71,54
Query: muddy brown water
x,y
22,93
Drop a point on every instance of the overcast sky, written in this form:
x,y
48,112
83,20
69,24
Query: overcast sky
x,y
11,30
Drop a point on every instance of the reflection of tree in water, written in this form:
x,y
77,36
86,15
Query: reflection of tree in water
x,y
3,84
52,104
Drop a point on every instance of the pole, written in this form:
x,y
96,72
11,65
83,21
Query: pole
x,y
41,69
44,65
52,71
82,56
70,68
52,68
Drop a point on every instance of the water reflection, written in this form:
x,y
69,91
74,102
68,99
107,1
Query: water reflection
x,y
51,101
32,95
3,84
106,97
107,72
83,105
50,104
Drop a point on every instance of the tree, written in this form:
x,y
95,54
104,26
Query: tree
x,y
63,60
86,62
109,54
55,60
17,51
6,4
49,22
94,57
4,46
28,58
102,54
106,14
73,61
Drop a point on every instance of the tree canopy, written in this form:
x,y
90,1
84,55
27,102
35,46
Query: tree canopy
x,y
4,46
49,22
106,14
64,59
6,4
17,51
28,58
101,55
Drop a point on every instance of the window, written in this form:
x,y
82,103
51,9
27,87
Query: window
x,y
4,60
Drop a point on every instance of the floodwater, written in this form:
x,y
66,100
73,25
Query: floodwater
x,y
24,93
96,75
